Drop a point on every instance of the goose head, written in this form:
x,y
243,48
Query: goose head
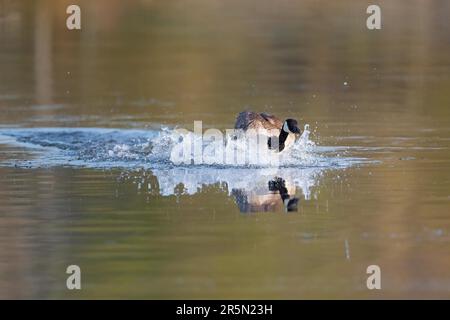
x,y
291,126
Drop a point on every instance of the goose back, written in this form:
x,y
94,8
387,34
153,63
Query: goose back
x,y
251,120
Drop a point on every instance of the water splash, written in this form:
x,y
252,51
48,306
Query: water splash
x,y
144,157
151,149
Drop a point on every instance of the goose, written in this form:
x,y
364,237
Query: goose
x,y
263,123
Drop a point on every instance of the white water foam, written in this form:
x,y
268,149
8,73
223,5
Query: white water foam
x,y
143,155
121,148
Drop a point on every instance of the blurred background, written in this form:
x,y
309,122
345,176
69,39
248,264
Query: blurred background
x,y
147,64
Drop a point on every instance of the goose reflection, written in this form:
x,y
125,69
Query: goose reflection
x,y
274,196
253,190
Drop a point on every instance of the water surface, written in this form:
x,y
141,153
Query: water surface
x,y
85,178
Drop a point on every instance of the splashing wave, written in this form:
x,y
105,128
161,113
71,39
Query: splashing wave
x,y
109,148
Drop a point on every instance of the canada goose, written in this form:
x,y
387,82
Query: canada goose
x,y
263,123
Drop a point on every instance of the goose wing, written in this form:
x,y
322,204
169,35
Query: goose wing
x,y
252,120
274,121
247,120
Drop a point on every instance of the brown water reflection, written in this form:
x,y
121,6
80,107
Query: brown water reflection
x,y
146,63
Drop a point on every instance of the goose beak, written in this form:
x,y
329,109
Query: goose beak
x,y
296,130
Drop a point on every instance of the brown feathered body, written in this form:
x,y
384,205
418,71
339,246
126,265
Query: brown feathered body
x,y
262,123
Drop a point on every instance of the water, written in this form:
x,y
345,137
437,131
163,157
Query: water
x,y
146,158
87,126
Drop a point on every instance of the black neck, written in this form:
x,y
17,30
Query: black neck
x,y
282,138
284,193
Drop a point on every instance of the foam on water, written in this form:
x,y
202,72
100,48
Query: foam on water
x,y
143,155
122,148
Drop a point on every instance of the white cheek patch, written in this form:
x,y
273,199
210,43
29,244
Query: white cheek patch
x,y
286,128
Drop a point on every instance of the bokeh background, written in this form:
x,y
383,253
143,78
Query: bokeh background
x,y
144,64
214,58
